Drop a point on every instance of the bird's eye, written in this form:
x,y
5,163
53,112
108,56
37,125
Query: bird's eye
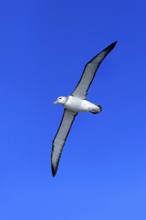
x,y
60,98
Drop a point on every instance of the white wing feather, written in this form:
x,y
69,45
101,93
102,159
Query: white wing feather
x,y
90,71
60,138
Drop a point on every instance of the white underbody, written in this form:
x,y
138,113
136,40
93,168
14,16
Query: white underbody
x,y
79,105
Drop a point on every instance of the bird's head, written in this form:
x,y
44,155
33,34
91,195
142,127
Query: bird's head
x,y
60,100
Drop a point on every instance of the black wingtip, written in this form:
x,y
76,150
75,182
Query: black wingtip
x,y
111,46
54,170
115,42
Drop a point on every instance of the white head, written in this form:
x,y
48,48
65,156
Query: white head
x,y
60,100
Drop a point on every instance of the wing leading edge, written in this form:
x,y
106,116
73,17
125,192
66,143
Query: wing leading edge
x,y
60,138
90,71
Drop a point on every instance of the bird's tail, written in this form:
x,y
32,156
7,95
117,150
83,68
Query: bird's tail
x,y
96,110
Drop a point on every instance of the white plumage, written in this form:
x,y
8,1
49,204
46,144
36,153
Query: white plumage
x,y
76,103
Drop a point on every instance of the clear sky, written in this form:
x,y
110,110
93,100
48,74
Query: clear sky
x,y
44,46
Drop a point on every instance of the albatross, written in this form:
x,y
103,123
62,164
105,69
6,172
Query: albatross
x,y
75,103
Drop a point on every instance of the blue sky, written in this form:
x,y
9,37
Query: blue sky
x,y
44,46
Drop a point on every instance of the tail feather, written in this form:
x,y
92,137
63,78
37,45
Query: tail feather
x,y
96,110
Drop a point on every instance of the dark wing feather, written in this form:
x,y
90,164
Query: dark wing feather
x,y
89,72
60,138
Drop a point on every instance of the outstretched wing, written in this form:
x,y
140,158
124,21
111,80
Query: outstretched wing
x,y
60,138
89,72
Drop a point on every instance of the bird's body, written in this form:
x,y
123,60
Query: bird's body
x,y
75,103
78,105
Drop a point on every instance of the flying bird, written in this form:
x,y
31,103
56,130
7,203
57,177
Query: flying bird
x,y
75,103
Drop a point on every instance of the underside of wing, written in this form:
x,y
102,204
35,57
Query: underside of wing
x,y
60,138
90,71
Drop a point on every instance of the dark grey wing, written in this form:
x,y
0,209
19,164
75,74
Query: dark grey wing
x,y
89,72
60,138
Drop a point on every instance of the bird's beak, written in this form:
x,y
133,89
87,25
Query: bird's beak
x,y
55,102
